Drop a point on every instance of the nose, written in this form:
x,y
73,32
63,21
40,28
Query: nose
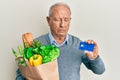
x,y
62,23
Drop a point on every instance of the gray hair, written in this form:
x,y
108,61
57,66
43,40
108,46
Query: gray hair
x,y
58,4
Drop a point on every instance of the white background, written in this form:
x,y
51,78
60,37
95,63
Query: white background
x,y
91,19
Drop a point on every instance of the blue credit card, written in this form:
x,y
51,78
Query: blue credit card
x,y
86,46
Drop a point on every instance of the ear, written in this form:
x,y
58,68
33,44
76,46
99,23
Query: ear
x,y
48,19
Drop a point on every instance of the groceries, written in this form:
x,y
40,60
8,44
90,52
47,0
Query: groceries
x,y
35,52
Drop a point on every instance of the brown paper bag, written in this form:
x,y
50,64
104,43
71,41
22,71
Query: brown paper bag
x,y
47,71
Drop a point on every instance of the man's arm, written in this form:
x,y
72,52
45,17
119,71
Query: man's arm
x,y
19,75
96,65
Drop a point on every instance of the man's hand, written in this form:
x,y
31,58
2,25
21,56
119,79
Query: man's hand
x,y
92,55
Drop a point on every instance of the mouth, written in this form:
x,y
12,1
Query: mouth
x,y
61,31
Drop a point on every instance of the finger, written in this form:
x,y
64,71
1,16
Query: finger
x,y
90,41
89,54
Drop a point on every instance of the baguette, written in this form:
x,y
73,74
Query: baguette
x,y
28,38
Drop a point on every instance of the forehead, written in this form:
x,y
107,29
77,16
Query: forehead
x,y
60,11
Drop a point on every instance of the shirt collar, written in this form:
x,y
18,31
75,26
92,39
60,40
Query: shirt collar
x,y
52,40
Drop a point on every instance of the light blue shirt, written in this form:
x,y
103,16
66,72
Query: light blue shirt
x,y
53,41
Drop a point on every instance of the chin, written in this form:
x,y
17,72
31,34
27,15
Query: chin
x,y
62,35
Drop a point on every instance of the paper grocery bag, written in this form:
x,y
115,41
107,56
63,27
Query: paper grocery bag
x,y
47,71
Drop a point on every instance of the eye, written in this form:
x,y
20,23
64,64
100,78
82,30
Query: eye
x,y
57,19
67,19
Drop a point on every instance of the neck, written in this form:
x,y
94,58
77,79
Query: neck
x,y
59,39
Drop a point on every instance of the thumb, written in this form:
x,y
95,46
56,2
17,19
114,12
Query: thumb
x,y
89,54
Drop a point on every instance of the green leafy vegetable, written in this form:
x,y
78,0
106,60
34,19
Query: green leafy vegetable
x,y
49,53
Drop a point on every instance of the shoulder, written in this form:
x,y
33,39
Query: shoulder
x,y
43,38
74,40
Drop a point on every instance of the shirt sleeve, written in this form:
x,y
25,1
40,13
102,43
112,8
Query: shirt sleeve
x,y
19,75
97,65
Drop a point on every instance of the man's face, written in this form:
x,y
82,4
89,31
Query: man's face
x,y
59,21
